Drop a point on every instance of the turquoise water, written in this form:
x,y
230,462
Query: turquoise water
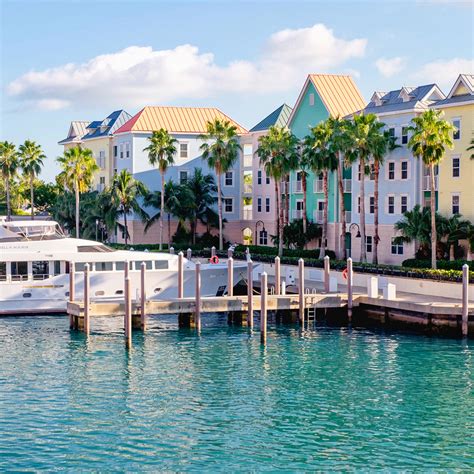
x,y
327,398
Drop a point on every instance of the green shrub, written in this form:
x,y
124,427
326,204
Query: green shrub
x,y
441,264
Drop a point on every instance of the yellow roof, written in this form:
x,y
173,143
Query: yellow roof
x,y
191,120
339,93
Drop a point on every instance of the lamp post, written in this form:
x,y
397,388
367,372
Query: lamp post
x,y
354,224
96,229
263,229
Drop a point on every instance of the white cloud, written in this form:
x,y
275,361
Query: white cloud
x,y
139,75
390,67
444,72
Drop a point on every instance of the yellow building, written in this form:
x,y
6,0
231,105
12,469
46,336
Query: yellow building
x,y
97,136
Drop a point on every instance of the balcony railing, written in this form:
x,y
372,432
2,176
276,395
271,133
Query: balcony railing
x,y
348,215
297,187
426,183
247,161
247,214
318,216
247,188
318,186
347,185
297,214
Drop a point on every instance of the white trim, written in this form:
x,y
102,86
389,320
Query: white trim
x,y
453,157
456,84
223,205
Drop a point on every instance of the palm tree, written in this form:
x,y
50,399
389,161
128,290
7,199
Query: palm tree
x,y
78,169
278,150
322,159
161,152
220,155
8,167
126,192
415,227
471,147
365,130
431,136
304,165
31,162
453,229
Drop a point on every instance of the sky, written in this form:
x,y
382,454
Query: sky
x,y
80,60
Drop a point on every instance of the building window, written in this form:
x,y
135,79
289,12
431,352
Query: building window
x,y
404,165
455,207
397,249
228,205
391,204
456,167
229,178
267,179
358,172
121,150
404,135
127,150
311,99
115,151
183,150
391,132
267,204
372,171
259,177
263,237
391,170
259,204
403,204
102,180
358,204
457,131
368,243
371,204
248,149
183,177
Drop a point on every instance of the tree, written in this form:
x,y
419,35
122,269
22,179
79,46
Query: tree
x,y
78,169
161,153
306,151
278,151
220,155
8,167
126,192
415,227
31,161
322,159
46,195
453,229
365,130
295,237
430,137
471,148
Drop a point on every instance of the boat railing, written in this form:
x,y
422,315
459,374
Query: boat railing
x,y
41,276
19,277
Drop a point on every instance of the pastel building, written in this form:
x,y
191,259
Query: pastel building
x,y
97,136
258,190
185,124
403,180
323,96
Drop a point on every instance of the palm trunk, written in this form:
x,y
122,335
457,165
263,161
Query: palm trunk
x,y
451,251
32,196
277,209
324,236
7,188
219,210
76,190
376,212
303,185
162,205
433,216
342,207
280,232
125,224
287,200
363,254
169,230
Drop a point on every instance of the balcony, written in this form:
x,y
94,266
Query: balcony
x,y
247,188
318,216
318,186
247,161
347,183
348,215
297,214
426,183
247,214
296,187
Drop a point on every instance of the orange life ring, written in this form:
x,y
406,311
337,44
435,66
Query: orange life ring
x,y
214,259
344,273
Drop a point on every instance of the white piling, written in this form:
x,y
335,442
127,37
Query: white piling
x,y
465,300
143,296
86,300
263,307
189,254
172,250
326,273
180,275
277,276
250,293
301,289
283,287
198,296
128,313
349,288
72,288
230,253
213,251
230,277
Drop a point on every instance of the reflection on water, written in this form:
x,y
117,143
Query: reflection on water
x,y
323,398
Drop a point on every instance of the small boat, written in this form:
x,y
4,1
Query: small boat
x,y
36,256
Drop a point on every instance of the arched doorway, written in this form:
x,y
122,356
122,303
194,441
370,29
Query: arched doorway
x,y
247,238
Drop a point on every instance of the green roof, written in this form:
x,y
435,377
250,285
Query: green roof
x,y
278,117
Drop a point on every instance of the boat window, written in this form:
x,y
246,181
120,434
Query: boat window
x,y
148,265
57,267
40,270
26,295
79,267
121,266
94,248
3,271
161,264
19,271
103,266
100,293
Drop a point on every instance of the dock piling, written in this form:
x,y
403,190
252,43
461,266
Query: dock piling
x,y
180,275
172,250
213,251
189,254
301,289
72,287
128,313
86,300
326,273
142,296
465,300
349,288
277,276
197,316
250,293
230,253
230,277
263,307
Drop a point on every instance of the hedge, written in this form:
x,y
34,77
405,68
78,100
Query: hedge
x,y
266,250
441,264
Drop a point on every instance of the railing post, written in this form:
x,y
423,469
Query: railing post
x,y
230,253
247,254
189,254
250,293
326,274
143,296
465,300
349,288
86,300
128,313
198,297
180,275
263,308
72,289
172,250
301,289
230,277
277,276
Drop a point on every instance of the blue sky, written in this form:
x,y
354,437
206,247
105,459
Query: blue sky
x,y
80,60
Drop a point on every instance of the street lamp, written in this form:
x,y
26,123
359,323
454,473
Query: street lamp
x,y
263,229
96,229
358,229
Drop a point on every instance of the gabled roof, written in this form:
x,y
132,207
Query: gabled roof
x,y
190,120
77,130
461,92
106,127
338,92
278,117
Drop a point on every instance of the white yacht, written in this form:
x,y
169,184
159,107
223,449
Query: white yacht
x,y
35,258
